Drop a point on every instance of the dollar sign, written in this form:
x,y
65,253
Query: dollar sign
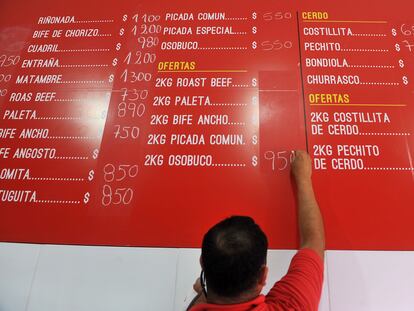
x,y
254,139
91,175
405,80
95,154
254,100
121,31
124,18
394,32
254,160
86,197
254,82
115,62
254,45
254,15
254,30
401,62
111,78
118,46
397,47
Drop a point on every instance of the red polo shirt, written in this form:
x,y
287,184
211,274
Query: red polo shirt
x,y
299,289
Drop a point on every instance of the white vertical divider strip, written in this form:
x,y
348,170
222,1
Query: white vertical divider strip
x,y
176,277
33,278
327,280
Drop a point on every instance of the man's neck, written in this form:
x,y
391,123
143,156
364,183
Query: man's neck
x,y
218,300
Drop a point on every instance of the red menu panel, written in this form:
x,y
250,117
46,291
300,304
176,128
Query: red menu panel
x,y
143,123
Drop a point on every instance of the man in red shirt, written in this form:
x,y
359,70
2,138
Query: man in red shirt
x,y
233,259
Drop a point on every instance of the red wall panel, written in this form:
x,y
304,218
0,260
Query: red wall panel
x,y
144,123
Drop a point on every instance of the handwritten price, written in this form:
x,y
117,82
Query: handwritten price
x,y
407,30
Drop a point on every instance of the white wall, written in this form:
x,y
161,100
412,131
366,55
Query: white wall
x,y
68,278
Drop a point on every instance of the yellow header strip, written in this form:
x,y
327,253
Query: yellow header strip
x,y
335,21
362,105
203,71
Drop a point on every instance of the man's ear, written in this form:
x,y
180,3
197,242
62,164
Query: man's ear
x,y
263,276
201,263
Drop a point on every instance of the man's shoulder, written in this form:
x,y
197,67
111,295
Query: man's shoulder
x,y
301,287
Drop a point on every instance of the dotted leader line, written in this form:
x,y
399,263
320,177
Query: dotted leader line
x,y
379,83
389,169
237,123
371,66
82,82
385,134
83,66
236,18
71,137
368,35
230,165
58,202
71,158
58,118
228,104
83,50
69,100
56,179
224,48
95,21
240,85
239,33
104,35
364,50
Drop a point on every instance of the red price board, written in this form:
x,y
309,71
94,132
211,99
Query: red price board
x,y
140,123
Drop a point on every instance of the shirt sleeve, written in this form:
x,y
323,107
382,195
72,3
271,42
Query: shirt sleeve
x,y
301,287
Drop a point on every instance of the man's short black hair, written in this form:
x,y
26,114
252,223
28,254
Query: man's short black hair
x,y
233,253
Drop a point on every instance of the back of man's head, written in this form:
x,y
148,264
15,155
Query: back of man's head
x,y
233,254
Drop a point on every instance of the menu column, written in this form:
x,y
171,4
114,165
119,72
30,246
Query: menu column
x,y
356,90
54,111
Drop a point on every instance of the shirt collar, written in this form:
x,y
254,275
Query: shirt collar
x,y
245,306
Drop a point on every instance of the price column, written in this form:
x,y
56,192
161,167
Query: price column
x,y
127,116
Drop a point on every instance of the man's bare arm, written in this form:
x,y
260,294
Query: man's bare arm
x,y
311,230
